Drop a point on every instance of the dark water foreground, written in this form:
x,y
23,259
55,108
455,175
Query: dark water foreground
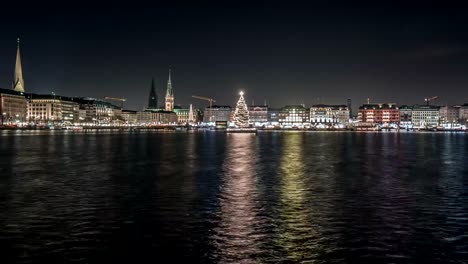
x,y
105,197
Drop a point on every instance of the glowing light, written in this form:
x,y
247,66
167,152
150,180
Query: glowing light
x,y
241,93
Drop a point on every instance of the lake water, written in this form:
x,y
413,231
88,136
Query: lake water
x,y
319,197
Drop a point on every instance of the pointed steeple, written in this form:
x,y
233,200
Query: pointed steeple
x,y
169,94
169,91
18,82
153,97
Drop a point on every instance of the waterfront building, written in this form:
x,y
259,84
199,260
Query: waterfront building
x,y
406,113
156,117
449,114
258,115
129,117
384,114
463,114
273,116
187,115
18,82
43,109
182,114
169,94
293,116
329,114
13,107
153,97
218,113
425,116
97,111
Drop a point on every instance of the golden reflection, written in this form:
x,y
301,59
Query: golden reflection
x,y
235,237
296,234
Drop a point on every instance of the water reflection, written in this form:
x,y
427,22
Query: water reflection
x,y
295,215
101,197
236,238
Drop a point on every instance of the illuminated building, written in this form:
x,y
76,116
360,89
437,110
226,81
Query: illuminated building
x,y
258,114
425,116
156,117
449,114
13,107
406,113
379,113
293,115
129,116
463,115
187,115
52,108
329,114
218,113
97,111
169,94
273,116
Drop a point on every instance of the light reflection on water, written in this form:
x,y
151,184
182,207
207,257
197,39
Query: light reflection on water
x,y
235,237
233,198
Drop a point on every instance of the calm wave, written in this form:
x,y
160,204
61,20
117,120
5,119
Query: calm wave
x,y
95,197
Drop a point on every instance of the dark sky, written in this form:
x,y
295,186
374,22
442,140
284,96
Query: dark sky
x,y
281,51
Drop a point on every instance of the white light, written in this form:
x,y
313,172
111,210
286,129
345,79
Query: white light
x,y
241,93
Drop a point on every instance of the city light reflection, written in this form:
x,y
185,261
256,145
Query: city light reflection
x,y
235,237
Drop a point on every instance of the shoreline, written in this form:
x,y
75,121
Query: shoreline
x,y
185,129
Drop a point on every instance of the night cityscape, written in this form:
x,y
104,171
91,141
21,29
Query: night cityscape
x,y
232,132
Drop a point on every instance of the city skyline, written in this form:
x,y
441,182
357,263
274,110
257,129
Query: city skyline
x,y
299,57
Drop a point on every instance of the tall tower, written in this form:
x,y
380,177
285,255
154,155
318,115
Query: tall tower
x,y
348,104
18,82
169,94
153,97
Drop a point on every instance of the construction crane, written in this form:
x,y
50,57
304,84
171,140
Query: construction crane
x,y
121,100
428,100
211,100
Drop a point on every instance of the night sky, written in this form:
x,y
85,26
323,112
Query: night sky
x,y
282,52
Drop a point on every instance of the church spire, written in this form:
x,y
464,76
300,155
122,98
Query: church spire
x,y
18,83
153,97
169,91
169,94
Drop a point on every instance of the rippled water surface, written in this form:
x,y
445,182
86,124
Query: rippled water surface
x,y
100,197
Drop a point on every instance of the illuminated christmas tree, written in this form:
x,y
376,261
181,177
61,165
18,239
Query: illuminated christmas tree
x,y
241,115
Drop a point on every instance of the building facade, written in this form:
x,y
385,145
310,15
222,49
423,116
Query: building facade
x,y
463,114
258,115
293,116
273,116
425,116
449,114
183,115
44,109
13,107
406,113
97,111
218,113
385,114
159,117
329,114
129,117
